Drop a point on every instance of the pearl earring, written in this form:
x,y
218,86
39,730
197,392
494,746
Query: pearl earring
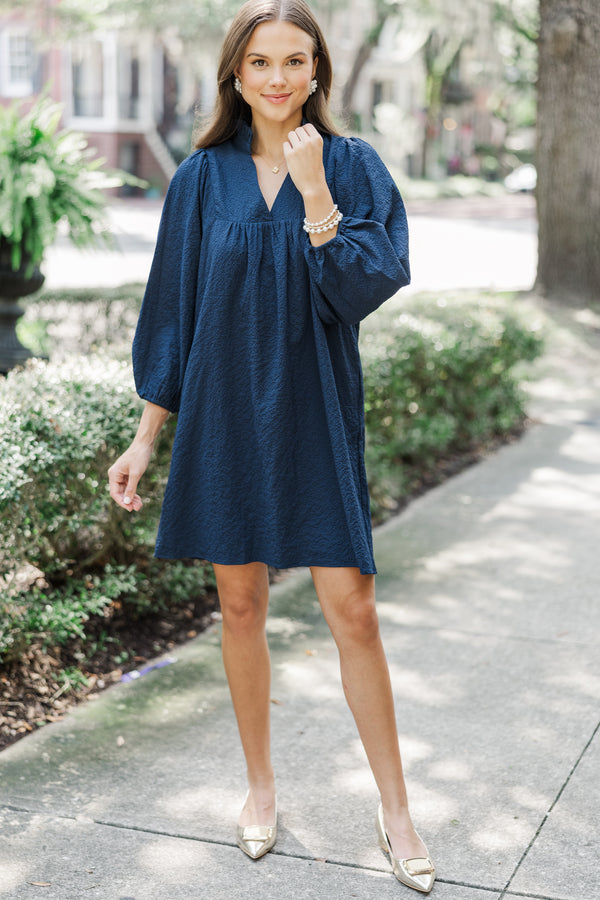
x,y
313,86
237,85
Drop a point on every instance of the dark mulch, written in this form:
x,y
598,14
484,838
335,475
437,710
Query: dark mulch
x,y
42,685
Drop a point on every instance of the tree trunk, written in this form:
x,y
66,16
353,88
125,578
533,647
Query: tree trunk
x,y
439,55
360,60
568,149
363,54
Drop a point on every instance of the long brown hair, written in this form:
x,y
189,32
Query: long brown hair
x,y
230,106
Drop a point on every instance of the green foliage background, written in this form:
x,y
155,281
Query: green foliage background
x,y
48,176
68,552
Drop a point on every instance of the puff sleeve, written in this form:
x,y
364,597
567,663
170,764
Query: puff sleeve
x,y
367,261
165,326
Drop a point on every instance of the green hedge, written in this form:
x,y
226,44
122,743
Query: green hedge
x,y
68,552
439,381
76,321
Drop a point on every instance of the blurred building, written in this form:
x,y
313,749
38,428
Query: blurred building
x,y
460,134
134,95
388,94
119,89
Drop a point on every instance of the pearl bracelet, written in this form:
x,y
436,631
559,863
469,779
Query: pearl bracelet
x,y
322,222
320,227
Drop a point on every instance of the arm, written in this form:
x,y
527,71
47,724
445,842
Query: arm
x,y
165,328
124,474
367,261
304,157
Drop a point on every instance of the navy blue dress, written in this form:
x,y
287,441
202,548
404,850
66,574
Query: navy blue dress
x,y
250,334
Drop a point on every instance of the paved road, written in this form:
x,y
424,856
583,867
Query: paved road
x,y
473,243
480,242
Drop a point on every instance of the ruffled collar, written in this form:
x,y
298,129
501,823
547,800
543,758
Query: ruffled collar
x,y
243,136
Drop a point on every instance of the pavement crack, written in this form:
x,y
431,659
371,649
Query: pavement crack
x,y
494,890
506,891
305,857
533,896
301,857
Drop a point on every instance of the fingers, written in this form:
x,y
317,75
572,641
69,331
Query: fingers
x,y
294,139
131,500
122,484
303,152
303,135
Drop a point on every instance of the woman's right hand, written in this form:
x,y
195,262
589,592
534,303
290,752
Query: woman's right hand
x,y
124,474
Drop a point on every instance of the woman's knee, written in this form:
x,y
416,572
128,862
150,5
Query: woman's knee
x,y
348,602
243,613
356,619
243,596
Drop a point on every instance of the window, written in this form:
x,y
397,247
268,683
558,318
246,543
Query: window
x,y
16,62
381,92
129,82
87,61
19,57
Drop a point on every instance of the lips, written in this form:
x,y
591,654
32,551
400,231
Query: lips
x,y
276,98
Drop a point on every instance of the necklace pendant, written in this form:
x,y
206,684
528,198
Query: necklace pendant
x,y
275,170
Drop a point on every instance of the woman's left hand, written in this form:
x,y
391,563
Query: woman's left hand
x,y
303,153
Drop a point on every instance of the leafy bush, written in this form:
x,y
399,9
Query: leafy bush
x,y
439,381
65,322
48,176
68,552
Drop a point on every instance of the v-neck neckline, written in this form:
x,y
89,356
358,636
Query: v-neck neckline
x,y
244,136
260,191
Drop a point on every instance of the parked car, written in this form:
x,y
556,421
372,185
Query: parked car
x,y
523,178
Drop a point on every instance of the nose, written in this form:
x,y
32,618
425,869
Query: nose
x,y
277,76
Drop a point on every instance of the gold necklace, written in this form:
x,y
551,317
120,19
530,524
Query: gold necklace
x,y
274,169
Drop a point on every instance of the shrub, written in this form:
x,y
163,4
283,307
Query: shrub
x,y
68,552
438,382
48,177
65,322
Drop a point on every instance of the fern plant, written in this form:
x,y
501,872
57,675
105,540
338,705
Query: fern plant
x,y
48,176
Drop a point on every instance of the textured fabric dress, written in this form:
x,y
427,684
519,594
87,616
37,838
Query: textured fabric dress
x,y
250,334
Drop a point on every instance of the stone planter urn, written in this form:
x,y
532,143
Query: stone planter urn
x,y
13,286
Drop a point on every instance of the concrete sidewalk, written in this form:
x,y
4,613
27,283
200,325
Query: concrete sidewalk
x,y
488,596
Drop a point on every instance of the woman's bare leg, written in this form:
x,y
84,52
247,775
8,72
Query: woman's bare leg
x,y
347,599
244,597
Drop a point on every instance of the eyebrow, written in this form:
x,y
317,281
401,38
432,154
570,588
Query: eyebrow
x,y
265,56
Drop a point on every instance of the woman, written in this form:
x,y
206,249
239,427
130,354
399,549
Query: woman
x,y
277,237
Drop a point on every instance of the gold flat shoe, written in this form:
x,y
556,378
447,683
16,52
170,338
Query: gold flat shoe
x,y
418,873
256,840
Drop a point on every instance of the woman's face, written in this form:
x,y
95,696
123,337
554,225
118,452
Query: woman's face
x,y
276,71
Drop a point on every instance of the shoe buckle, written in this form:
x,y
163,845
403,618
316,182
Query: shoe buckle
x,y
419,866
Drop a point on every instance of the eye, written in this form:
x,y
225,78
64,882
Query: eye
x,y
296,62
259,63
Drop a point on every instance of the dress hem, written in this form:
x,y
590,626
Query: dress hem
x,y
364,570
